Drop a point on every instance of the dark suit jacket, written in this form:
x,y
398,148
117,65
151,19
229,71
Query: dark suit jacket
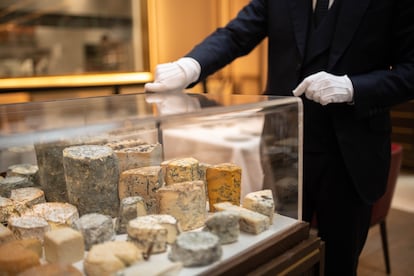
x,y
373,44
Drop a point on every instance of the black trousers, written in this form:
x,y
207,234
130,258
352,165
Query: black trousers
x,y
343,220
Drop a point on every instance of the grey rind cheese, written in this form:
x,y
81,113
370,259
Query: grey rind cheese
x,y
95,228
142,182
139,156
131,207
196,249
31,172
10,183
92,176
225,225
28,196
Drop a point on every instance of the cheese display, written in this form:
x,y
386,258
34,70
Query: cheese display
x,y
261,202
161,268
64,246
107,258
92,170
185,201
28,196
131,207
225,225
29,171
223,184
139,156
180,170
95,228
10,183
57,214
250,221
196,249
147,235
5,234
15,258
142,182
29,227
52,270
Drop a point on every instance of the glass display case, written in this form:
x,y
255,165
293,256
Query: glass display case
x,y
261,135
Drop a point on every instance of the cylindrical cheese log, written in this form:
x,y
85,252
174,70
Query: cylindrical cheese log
x,y
225,225
29,227
31,172
223,184
92,176
28,196
10,183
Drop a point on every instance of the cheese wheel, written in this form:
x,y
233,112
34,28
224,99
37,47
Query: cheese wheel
x,y
13,182
51,270
28,196
107,258
225,225
29,227
196,249
148,235
57,214
29,171
223,184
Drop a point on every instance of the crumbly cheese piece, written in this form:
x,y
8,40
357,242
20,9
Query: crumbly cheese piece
x,y
147,234
25,227
261,202
131,207
92,170
15,258
7,209
5,234
196,249
185,201
29,171
180,170
223,184
161,268
250,221
57,214
139,156
109,257
52,270
124,143
10,183
225,225
95,228
142,182
64,245
28,196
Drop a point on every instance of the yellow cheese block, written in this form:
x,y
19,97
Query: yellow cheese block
x,y
223,184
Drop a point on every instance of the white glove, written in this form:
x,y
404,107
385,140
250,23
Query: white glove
x,y
173,102
325,88
174,76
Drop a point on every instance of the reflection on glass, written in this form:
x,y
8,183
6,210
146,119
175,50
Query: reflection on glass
x,y
60,37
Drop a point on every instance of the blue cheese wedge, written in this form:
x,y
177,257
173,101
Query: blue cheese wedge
x,y
225,225
180,170
261,202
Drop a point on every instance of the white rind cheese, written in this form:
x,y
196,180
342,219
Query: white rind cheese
x,y
142,182
261,202
196,249
27,227
250,221
225,225
185,201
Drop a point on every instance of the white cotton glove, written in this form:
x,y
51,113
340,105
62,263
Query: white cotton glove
x,y
173,102
174,76
325,88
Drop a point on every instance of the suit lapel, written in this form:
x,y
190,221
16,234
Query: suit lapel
x,y
349,18
300,10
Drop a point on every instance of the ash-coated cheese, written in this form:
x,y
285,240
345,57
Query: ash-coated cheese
x,y
223,184
95,228
16,258
180,170
92,170
131,207
57,214
64,245
55,269
139,156
147,235
196,249
28,196
250,221
261,202
25,227
107,258
29,171
225,225
185,201
10,183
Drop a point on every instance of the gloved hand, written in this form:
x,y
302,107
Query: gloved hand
x,y
174,76
173,102
325,88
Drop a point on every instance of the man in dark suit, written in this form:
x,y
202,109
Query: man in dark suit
x,y
349,66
